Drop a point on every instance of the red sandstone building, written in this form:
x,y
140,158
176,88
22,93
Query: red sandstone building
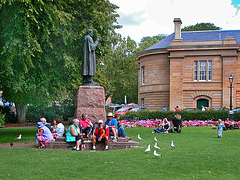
x,y
190,69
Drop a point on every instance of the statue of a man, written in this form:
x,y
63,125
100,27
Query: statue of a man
x,y
89,59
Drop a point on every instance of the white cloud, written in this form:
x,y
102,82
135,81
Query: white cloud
x,y
132,19
157,15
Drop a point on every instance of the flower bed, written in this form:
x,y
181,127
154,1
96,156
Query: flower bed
x,y
153,123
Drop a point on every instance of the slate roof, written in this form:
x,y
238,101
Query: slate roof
x,y
191,36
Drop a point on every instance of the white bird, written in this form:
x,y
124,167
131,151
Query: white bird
x,y
19,137
148,149
139,138
172,145
156,154
155,139
156,146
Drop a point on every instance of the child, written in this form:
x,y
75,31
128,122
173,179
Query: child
x,y
220,128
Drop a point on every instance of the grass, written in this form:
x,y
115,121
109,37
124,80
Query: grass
x,y
9,135
198,155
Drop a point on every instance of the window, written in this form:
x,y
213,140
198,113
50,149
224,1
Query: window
x,y
209,70
143,75
142,102
195,70
202,70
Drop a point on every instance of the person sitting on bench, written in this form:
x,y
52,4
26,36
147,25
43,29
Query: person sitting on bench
x,y
74,135
44,135
112,124
121,130
86,125
101,134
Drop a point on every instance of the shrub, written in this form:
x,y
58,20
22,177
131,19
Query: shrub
x,y
64,111
236,116
2,120
186,115
108,109
10,117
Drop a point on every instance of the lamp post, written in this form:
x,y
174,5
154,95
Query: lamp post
x,y
231,82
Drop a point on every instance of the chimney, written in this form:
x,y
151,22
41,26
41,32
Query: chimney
x,y
177,28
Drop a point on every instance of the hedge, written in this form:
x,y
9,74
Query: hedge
x,y
2,120
186,115
9,116
63,111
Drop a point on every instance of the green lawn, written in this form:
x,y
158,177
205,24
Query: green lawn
x,y
9,135
198,155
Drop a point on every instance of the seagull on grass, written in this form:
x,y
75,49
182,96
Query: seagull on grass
x,y
155,139
19,137
156,146
148,149
172,145
139,138
156,154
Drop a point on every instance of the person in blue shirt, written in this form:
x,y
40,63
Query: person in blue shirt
x,y
220,128
164,108
112,124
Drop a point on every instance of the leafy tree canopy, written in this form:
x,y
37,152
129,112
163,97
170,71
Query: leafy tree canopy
x,y
40,46
201,27
119,72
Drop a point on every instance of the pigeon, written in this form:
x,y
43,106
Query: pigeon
x,y
156,154
148,149
156,147
172,145
139,138
155,139
11,144
19,137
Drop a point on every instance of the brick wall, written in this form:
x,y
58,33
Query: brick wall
x,y
169,76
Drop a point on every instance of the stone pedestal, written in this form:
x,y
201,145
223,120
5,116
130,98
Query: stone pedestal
x,y
91,100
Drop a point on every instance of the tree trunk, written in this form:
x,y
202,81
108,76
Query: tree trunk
x,y
21,113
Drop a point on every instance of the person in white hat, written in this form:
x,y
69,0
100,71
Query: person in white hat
x,y
44,121
101,134
112,124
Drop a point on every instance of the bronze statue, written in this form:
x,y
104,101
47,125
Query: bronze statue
x,y
89,59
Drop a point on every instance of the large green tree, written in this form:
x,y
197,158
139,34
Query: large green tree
x,y
40,46
119,72
148,41
201,27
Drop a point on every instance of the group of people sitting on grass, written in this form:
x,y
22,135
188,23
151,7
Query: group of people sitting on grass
x,y
229,125
99,131
46,132
164,126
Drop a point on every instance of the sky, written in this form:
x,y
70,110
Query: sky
x,y
141,18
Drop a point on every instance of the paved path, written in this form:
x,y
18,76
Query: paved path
x,y
19,145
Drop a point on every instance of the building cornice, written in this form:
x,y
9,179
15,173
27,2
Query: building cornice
x,y
191,48
153,52
202,47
